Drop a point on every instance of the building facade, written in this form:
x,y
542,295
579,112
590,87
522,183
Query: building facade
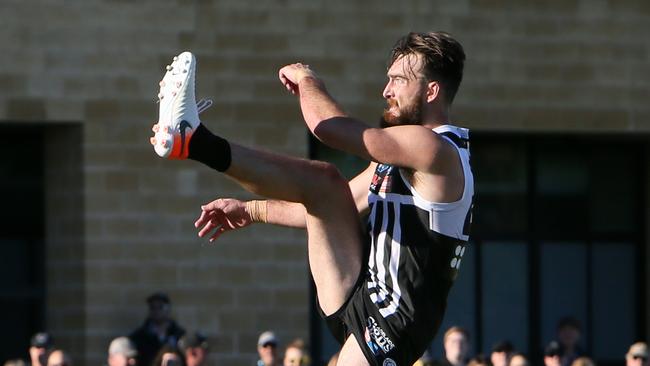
x,y
555,92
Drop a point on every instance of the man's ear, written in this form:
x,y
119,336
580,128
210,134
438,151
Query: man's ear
x,y
433,91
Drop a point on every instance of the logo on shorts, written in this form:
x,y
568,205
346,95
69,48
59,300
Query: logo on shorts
x,y
389,362
378,336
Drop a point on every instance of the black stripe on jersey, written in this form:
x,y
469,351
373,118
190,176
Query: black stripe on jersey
x,y
460,142
388,247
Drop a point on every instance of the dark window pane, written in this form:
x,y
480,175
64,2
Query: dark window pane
x,y
500,182
615,191
564,285
461,304
505,294
614,289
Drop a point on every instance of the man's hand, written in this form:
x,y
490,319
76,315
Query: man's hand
x,y
222,215
291,75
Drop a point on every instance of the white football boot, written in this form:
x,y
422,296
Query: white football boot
x,y
179,113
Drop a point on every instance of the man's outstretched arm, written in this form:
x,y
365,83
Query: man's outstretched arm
x,y
406,146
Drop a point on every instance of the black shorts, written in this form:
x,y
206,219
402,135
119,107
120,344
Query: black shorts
x,y
383,343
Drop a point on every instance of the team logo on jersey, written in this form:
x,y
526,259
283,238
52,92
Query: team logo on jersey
x,y
378,337
381,179
389,362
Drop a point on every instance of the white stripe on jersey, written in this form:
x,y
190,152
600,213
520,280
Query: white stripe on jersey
x,y
373,244
395,249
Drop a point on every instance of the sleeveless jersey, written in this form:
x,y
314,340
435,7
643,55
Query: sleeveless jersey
x,y
416,246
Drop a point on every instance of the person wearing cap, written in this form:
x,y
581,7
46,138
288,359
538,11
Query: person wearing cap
x,y
40,345
501,353
553,354
158,330
194,348
637,355
122,352
267,348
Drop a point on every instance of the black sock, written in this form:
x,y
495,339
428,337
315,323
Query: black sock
x,y
209,149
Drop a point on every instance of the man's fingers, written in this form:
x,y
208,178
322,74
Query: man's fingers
x,y
220,230
202,219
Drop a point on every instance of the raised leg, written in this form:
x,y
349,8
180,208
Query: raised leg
x,y
333,226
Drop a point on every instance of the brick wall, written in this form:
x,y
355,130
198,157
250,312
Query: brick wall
x,y
553,66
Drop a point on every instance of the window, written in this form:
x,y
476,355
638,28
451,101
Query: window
x,y
21,236
558,232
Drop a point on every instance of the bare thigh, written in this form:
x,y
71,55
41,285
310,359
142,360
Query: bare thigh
x,y
351,354
334,246
333,225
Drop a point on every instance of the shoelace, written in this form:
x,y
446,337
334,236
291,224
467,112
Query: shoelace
x,y
203,104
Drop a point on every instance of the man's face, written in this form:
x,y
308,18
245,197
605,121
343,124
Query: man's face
x,y
194,356
268,353
118,360
552,361
456,347
38,355
159,310
404,92
292,356
631,360
57,358
568,336
518,360
499,358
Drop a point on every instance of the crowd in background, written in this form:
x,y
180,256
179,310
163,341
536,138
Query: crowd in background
x,y
160,341
564,351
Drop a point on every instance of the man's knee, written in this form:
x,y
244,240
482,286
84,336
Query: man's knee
x,y
326,183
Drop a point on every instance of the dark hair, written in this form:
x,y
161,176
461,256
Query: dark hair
x,y
503,346
442,55
569,322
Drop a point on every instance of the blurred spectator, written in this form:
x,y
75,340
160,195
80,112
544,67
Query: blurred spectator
x,y
479,360
552,354
122,352
296,354
568,335
15,362
159,329
194,348
58,357
583,361
518,359
40,345
501,353
425,360
168,356
456,344
637,355
267,348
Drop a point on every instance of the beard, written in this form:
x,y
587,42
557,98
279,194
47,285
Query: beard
x,y
408,115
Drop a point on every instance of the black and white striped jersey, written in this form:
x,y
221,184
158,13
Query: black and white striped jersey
x,y
416,245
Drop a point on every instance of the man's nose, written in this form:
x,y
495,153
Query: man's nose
x,y
388,91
